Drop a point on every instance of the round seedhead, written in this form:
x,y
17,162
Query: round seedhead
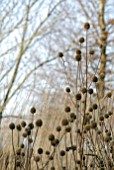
x,y
37,158
83,90
23,124
58,128
47,152
68,129
62,153
12,126
40,151
31,125
33,110
78,96
78,57
18,127
78,51
93,125
109,94
39,123
87,26
90,91
51,137
73,116
91,52
95,106
67,109
95,79
65,122
81,40
60,54
68,89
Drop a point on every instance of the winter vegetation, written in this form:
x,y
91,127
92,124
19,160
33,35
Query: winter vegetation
x,y
57,85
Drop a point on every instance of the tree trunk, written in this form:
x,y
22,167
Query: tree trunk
x,y
102,71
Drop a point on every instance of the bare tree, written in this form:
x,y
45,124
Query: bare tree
x,y
38,32
23,25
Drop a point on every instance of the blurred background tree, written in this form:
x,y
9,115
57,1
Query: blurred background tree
x,y
31,35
